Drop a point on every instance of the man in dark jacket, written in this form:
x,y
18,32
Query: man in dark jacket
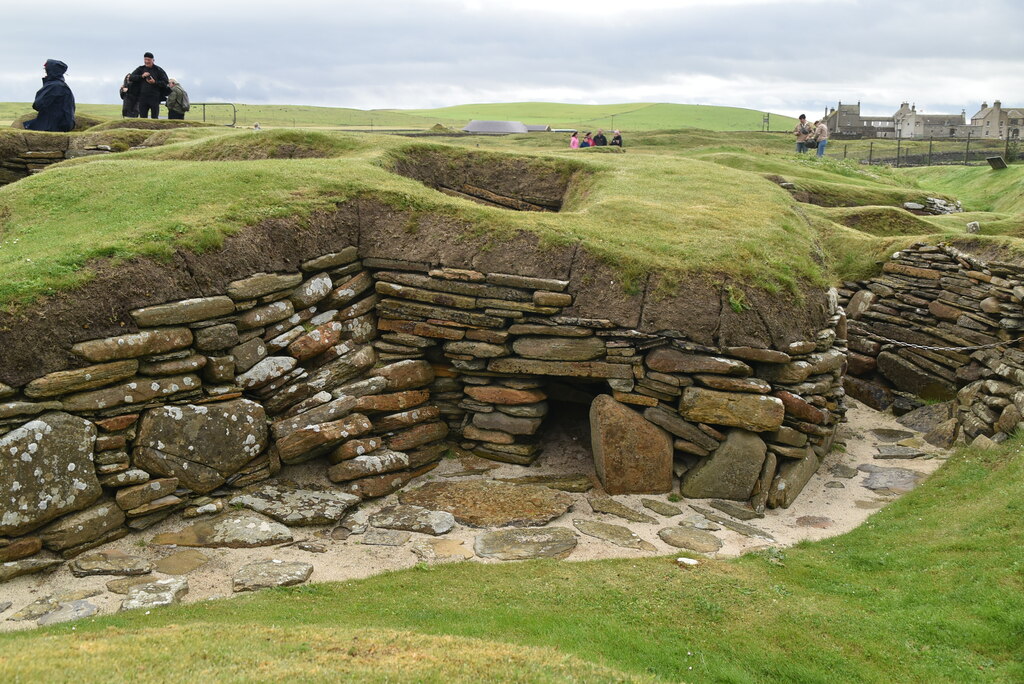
x,y
151,82
54,101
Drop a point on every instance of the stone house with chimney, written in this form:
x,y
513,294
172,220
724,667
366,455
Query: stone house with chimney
x,y
997,122
910,123
845,121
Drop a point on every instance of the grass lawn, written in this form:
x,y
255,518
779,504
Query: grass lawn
x,y
930,589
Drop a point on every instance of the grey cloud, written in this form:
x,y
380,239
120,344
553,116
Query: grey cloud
x,y
787,55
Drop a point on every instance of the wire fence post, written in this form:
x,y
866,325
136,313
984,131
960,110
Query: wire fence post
x,y
967,148
844,150
899,144
930,142
871,150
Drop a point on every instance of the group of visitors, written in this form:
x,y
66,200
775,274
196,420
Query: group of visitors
x,y
144,89
598,140
810,137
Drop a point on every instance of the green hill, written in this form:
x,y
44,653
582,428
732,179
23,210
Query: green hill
x,y
637,116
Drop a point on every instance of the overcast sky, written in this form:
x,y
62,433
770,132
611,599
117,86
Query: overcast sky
x,y
783,56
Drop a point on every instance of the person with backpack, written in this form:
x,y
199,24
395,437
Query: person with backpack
x,y
802,131
177,101
54,101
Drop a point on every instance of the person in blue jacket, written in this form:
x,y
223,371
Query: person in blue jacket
x,y
55,102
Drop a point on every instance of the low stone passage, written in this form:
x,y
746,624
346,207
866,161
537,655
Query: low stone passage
x,y
296,530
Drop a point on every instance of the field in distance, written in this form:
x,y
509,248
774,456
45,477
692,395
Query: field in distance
x,y
635,116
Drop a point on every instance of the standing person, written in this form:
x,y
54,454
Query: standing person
x,y
802,131
177,101
821,135
54,101
616,139
151,82
129,99
599,139
574,141
587,140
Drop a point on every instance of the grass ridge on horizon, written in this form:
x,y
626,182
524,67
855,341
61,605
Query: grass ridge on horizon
x,y
633,117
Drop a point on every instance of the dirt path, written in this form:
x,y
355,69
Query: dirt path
x,y
829,505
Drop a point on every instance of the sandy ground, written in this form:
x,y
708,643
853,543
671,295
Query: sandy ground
x,y
819,512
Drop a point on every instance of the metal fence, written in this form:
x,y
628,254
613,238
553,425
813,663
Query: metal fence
x,y
924,151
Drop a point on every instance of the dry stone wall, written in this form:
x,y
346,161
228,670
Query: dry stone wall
x,y
368,366
941,324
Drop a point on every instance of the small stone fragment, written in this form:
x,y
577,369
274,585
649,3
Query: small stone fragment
x,y
606,504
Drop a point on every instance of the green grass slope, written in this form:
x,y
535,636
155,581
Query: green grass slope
x,y
930,589
644,213
675,202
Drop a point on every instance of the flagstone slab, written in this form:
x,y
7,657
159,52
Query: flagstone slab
x,y
413,519
270,573
614,534
163,592
483,503
690,538
524,544
237,529
294,505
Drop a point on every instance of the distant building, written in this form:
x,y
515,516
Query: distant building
x,y
495,127
538,128
909,123
996,122
845,121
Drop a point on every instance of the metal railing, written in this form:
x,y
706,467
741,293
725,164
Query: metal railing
x,y
967,151
204,105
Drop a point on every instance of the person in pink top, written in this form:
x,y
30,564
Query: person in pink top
x,y
574,141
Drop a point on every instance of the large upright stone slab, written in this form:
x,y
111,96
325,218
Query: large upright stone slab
x,y
730,472
790,480
631,454
201,445
46,470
